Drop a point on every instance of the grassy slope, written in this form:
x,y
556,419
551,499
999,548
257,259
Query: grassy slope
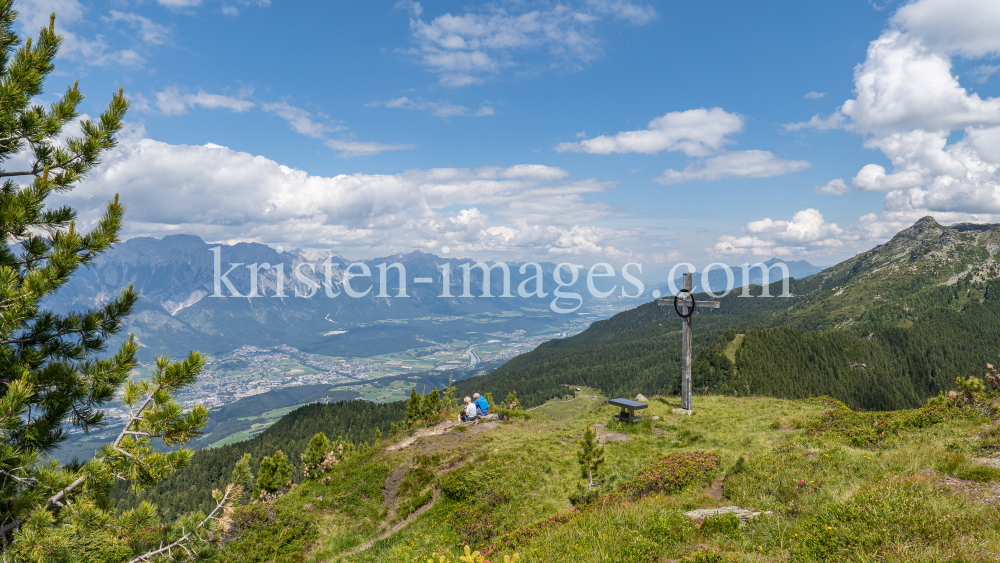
x,y
832,501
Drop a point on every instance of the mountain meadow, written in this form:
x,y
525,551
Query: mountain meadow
x,y
856,420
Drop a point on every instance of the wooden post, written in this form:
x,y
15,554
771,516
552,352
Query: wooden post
x,y
687,304
686,351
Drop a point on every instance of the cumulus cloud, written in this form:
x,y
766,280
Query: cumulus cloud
x,y
908,103
815,95
734,164
806,233
464,48
695,132
526,209
172,101
349,148
833,187
964,27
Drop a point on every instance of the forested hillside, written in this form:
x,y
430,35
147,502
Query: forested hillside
x,y
637,351
883,330
190,489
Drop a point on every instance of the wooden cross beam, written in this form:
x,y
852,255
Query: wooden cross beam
x,y
685,304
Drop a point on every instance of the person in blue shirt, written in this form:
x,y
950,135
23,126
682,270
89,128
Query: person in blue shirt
x,y
482,405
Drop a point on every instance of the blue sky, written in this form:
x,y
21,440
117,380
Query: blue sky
x,y
626,131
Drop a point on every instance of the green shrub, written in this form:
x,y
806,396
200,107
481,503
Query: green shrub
x,y
317,459
86,545
264,532
672,473
583,496
871,429
275,473
412,504
419,475
724,524
474,479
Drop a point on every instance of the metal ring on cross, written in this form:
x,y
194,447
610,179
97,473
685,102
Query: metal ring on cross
x,y
691,312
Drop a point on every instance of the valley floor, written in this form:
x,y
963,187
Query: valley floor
x,y
919,485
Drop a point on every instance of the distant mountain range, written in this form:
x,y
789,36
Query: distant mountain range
x,y
200,295
187,301
718,279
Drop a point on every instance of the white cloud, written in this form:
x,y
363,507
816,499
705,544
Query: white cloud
x,y
179,3
227,7
964,27
888,101
464,48
736,164
349,148
834,121
34,15
695,132
171,101
300,120
150,32
815,95
833,187
908,103
984,72
633,13
440,108
414,8
526,209
807,233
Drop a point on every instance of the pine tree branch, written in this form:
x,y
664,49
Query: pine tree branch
x,y
57,498
34,338
189,536
24,481
12,526
25,173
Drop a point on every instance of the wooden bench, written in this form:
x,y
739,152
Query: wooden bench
x,y
628,407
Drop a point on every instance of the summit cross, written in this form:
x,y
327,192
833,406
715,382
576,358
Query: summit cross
x,y
685,306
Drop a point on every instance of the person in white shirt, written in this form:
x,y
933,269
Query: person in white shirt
x,y
469,412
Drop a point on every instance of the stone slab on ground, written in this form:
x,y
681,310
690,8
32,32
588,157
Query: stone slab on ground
x,y
743,514
682,411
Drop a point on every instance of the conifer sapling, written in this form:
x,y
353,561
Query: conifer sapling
x,y
591,456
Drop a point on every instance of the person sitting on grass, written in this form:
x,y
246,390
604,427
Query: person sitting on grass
x,y
469,412
482,405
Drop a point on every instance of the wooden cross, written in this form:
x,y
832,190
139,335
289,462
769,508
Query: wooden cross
x,y
686,304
